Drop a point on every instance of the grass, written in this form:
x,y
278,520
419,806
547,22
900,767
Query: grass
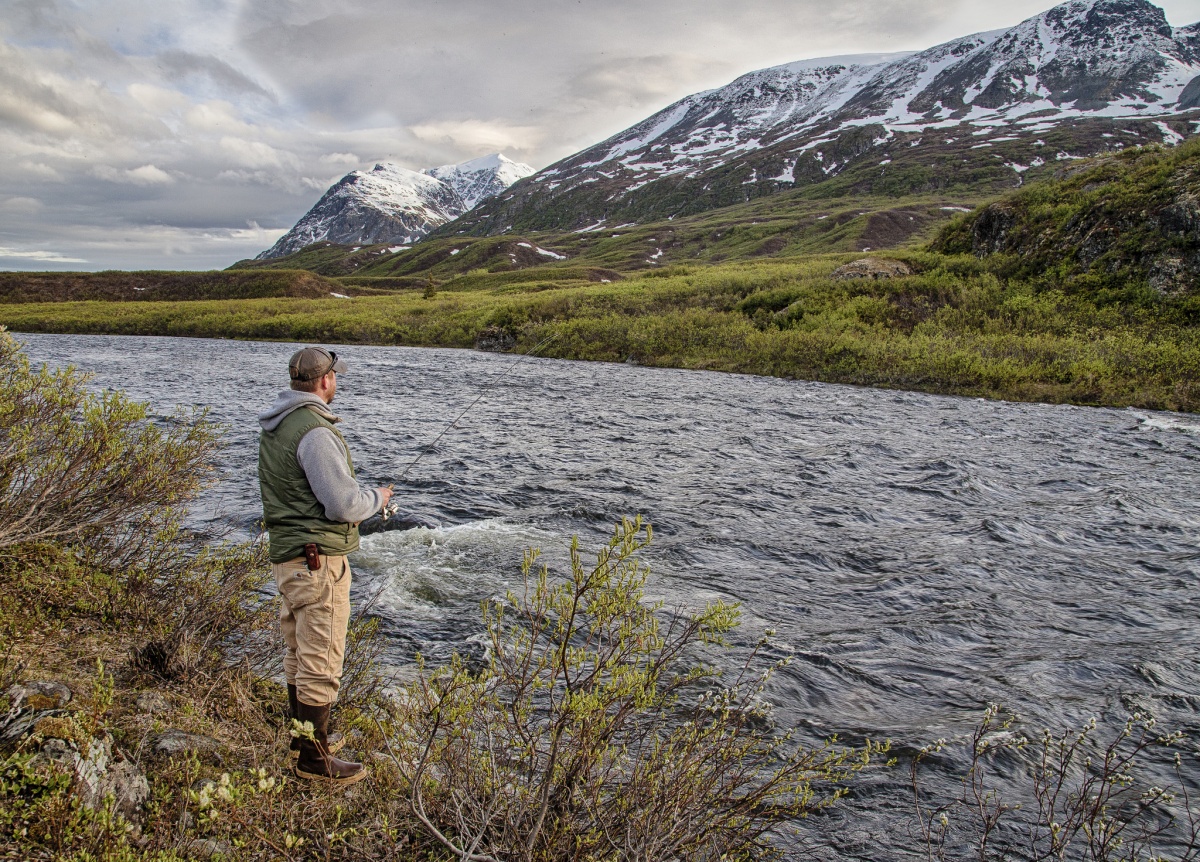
x,y
954,327
61,623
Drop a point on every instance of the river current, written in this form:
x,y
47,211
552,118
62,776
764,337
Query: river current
x,y
919,556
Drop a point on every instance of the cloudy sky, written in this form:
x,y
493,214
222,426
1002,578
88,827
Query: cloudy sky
x,y
142,134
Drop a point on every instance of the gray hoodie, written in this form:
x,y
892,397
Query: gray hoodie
x,y
322,457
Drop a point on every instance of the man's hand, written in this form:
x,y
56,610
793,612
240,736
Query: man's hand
x,y
387,495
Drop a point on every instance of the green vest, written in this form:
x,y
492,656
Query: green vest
x,y
293,515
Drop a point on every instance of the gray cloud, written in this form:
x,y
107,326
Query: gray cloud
x,y
142,134
571,66
180,66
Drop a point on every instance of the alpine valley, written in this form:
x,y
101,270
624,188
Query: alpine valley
x,y
838,154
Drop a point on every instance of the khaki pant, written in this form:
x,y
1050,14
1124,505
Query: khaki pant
x,y
313,618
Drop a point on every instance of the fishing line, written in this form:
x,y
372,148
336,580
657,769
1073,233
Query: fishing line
x,y
389,510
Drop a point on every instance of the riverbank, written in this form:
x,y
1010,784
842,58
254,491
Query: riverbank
x,y
952,326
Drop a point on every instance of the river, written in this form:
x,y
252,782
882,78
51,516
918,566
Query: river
x,y
920,556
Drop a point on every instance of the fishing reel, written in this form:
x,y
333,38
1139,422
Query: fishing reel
x,y
390,508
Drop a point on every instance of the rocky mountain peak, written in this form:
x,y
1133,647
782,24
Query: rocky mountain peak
x,y
479,179
390,203
1087,23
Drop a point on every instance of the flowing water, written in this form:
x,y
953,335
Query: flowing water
x,y
920,556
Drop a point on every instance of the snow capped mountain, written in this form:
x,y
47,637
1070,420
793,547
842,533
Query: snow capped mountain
x,y
1120,57
1079,63
480,178
393,204
708,126
1116,56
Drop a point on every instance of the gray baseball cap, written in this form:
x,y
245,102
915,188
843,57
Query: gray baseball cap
x,y
313,362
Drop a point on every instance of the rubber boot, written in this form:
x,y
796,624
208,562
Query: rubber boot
x,y
316,762
336,740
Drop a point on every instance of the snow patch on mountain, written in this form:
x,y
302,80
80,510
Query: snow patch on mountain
x,y
396,190
480,178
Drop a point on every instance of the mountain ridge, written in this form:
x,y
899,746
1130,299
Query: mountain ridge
x,y
1090,70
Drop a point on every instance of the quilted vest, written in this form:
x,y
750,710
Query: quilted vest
x,y
293,515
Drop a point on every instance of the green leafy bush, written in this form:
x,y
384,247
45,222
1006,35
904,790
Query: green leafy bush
x,y
597,732
92,498
90,470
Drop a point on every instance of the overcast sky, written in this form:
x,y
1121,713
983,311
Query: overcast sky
x,y
143,134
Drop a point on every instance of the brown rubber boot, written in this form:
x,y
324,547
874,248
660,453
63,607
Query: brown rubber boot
x,y
316,762
336,740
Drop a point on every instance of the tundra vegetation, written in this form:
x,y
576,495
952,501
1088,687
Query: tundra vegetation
x,y
1080,289
953,327
150,286
146,720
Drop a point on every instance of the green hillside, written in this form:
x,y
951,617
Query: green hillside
x,y
784,226
1111,225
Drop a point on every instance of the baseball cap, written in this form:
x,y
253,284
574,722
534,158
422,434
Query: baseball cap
x,y
313,362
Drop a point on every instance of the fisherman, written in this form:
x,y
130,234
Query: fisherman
x,y
312,506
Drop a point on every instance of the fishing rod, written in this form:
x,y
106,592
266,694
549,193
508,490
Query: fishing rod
x,y
391,508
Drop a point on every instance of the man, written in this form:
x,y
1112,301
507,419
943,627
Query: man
x,y
312,506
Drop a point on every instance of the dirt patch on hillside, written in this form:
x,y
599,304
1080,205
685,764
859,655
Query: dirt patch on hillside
x,y
891,227
774,245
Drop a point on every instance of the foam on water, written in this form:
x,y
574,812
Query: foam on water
x,y
1168,422
424,573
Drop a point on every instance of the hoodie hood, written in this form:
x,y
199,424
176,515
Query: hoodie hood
x,y
289,400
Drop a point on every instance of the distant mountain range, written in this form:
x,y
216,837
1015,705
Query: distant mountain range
x,y
394,204
1085,77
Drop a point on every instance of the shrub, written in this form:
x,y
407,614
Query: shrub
x,y
1080,794
205,608
90,470
92,499
596,733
